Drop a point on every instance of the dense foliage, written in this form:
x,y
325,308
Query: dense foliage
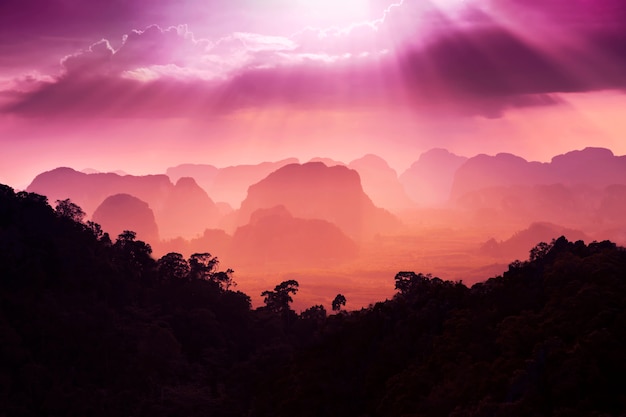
x,y
89,326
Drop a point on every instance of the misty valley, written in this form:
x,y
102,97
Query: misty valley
x,y
347,228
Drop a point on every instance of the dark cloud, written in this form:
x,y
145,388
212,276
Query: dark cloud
x,y
484,62
476,66
597,14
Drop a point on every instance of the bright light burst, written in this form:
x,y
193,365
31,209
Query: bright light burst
x,y
336,11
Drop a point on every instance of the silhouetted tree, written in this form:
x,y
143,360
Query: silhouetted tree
x,y
540,250
67,209
224,279
173,266
202,265
128,243
315,313
136,253
407,281
279,299
95,228
339,301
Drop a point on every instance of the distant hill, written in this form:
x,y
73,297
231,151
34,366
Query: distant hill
x,y
429,180
121,212
274,236
597,167
315,191
329,162
516,247
380,183
181,209
188,210
228,184
204,174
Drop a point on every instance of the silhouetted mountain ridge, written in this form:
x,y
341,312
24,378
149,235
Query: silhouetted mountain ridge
x,y
228,184
181,209
121,212
380,182
597,167
315,191
274,236
428,180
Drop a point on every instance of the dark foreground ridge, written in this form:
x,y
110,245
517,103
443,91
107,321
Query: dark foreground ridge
x,y
93,327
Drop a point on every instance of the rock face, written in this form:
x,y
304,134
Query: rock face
x,y
90,190
429,180
315,191
188,210
183,209
275,236
229,184
596,167
503,169
380,183
121,212
204,174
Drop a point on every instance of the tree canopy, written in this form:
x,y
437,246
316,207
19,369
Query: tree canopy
x,y
92,327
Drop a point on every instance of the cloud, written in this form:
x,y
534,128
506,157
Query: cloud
x,y
96,59
140,48
464,59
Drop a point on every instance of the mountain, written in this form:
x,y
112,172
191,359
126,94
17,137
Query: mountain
x,y
315,191
188,210
228,184
121,212
428,180
504,169
274,236
596,167
516,247
89,190
380,183
329,162
204,174
572,205
181,209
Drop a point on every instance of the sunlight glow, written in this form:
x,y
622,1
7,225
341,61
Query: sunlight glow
x,y
336,12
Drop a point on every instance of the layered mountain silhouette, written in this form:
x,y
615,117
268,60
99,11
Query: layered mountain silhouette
x,y
273,235
380,183
428,181
188,210
597,167
580,188
329,162
228,184
583,189
181,209
316,191
516,247
121,212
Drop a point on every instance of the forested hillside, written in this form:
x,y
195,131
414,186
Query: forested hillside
x,y
96,326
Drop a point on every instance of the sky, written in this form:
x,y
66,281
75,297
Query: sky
x,y
140,85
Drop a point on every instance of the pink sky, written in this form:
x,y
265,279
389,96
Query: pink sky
x,y
140,86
